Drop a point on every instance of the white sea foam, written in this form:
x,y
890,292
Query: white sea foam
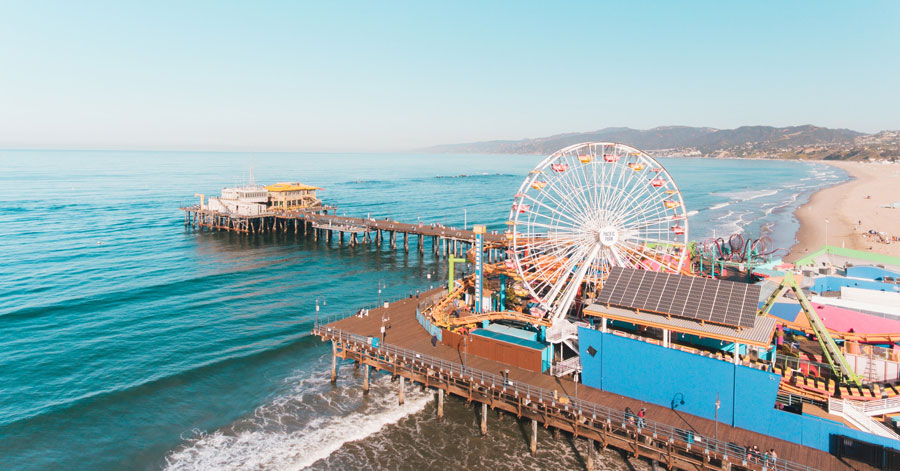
x,y
725,216
692,213
719,206
753,194
275,439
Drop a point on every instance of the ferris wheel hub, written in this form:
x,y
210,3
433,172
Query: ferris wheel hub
x,y
607,236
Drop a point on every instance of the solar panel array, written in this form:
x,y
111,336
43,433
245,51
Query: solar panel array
x,y
704,299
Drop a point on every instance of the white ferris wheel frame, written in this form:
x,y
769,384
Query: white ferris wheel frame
x,y
593,221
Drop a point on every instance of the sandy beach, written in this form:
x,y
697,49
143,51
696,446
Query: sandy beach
x,y
844,214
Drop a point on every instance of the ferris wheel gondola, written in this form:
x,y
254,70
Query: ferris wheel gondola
x,y
590,207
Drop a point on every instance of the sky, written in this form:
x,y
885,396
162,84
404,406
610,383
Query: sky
x,y
388,76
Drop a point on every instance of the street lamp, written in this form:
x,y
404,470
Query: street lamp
x,y
826,231
718,403
324,302
381,285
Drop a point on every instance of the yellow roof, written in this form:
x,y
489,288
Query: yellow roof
x,y
291,187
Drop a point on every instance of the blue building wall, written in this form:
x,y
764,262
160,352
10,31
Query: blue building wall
x,y
661,376
665,377
834,283
871,273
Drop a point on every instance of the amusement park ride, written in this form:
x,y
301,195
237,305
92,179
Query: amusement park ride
x,y
583,210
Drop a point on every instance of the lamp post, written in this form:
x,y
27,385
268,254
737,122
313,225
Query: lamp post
x,y
324,302
826,231
718,403
576,385
381,285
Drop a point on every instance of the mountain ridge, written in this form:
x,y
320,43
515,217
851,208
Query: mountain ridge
x,y
790,142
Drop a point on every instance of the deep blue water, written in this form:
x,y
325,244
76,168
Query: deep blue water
x,y
130,342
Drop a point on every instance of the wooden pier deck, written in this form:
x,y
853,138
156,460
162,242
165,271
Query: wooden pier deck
x,y
588,412
317,223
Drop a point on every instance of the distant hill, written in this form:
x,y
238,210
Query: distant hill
x,y
745,141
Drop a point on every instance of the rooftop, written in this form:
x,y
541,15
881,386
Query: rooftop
x,y
288,186
839,256
759,335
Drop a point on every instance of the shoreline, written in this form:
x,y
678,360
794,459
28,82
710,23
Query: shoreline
x,y
841,215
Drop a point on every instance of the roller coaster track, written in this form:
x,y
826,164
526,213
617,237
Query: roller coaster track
x,y
832,353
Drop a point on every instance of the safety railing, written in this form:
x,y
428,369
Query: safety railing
x,y
569,365
578,407
795,400
852,413
878,406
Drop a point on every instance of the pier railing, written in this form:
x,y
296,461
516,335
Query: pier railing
x,y
583,409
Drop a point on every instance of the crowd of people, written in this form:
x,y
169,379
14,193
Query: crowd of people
x,y
768,458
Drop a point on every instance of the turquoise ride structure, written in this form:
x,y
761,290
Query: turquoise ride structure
x,y
715,256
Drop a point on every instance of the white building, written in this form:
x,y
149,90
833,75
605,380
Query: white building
x,y
242,201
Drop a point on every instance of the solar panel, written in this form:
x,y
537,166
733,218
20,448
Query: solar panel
x,y
708,300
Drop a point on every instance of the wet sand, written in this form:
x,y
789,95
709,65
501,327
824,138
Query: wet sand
x,y
851,209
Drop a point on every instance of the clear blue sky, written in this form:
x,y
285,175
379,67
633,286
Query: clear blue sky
x,y
269,75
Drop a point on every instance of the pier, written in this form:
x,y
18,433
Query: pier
x,y
666,437
352,231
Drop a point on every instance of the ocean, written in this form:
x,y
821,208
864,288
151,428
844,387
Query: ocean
x,y
128,341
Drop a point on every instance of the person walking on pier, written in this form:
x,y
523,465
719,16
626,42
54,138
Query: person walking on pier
x,y
641,414
383,333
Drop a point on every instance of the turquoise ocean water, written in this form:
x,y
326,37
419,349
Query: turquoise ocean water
x,y
130,342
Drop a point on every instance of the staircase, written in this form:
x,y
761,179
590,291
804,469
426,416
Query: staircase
x,y
566,332
858,418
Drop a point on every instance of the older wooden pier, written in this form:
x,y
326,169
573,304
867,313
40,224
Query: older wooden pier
x,y
668,437
317,223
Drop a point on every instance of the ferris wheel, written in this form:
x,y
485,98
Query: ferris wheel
x,y
590,207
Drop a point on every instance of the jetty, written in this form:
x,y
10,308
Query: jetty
x,y
412,351
318,224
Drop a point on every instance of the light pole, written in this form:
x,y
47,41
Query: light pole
x,y
576,386
718,403
324,302
380,286
826,231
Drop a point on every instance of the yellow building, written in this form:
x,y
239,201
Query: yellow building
x,y
286,196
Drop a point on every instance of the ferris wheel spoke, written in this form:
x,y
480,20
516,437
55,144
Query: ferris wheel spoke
x,y
560,267
564,269
552,210
575,284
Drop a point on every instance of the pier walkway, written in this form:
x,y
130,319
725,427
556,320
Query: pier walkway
x,y
675,439
316,222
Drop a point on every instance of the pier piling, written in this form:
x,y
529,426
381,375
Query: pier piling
x,y
483,418
589,459
366,380
440,406
401,399
533,437
333,362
